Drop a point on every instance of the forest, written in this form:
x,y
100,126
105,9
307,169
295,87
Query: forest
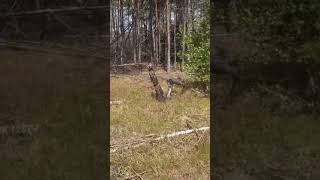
x,y
253,63
155,31
159,89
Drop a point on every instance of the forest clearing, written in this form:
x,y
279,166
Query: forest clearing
x,y
155,129
256,64
139,115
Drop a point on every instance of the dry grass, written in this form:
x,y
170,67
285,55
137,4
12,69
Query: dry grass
x,y
140,114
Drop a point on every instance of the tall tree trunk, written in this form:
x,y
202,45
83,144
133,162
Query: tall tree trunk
x,y
188,22
174,38
157,32
113,32
138,31
121,29
117,22
134,24
168,35
184,34
152,29
191,15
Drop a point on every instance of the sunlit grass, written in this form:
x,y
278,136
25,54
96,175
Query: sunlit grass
x,y
140,114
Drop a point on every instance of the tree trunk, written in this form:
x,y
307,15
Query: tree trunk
x,y
183,35
138,25
168,36
117,29
159,33
152,30
134,24
188,27
174,38
159,92
121,29
191,15
113,33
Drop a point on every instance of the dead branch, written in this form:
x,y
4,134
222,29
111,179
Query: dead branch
x,y
130,64
115,102
182,133
154,140
114,76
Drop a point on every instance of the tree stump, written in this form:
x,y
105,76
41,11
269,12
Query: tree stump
x,y
159,92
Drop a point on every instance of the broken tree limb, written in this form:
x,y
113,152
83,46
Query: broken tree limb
x,y
182,133
154,140
159,92
115,102
130,64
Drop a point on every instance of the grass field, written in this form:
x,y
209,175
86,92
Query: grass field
x,y
185,157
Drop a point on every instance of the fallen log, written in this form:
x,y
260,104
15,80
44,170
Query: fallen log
x,y
115,102
130,64
151,141
189,131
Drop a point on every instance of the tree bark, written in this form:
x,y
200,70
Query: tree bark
x,y
121,29
183,35
159,33
168,35
152,29
134,24
159,92
174,38
138,25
